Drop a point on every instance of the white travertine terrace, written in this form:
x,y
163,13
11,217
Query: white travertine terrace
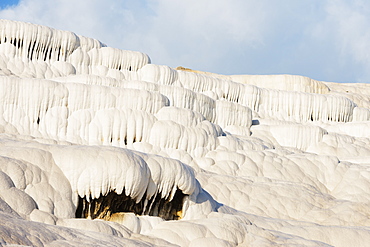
x,y
173,157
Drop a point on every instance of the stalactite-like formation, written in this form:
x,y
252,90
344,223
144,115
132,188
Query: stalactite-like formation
x,y
105,207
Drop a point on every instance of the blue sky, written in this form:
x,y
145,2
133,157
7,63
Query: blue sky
x,y
7,3
324,39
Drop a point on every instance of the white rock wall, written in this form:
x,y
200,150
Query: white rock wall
x,y
266,160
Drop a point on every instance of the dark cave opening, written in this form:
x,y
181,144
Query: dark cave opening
x,y
106,206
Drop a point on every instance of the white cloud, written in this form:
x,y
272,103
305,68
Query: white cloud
x,y
346,28
200,33
326,40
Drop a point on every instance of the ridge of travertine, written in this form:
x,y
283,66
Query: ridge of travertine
x,y
171,156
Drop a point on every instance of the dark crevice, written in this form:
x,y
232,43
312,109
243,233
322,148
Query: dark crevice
x,y
59,53
29,51
46,54
106,206
32,50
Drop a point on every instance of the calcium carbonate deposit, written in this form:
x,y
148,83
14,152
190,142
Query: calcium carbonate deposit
x,y
100,147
